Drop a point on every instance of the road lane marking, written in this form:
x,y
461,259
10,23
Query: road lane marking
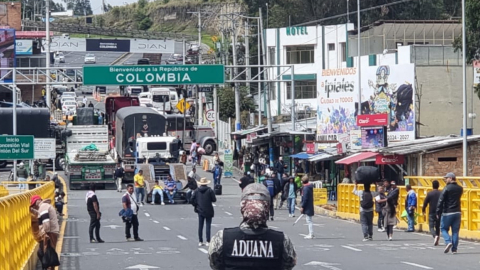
x,y
203,250
236,181
228,213
156,221
166,228
147,214
352,248
181,237
214,204
417,265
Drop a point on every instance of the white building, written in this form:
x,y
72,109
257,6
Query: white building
x,y
310,49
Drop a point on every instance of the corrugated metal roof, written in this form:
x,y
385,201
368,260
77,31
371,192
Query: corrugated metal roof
x,y
425,145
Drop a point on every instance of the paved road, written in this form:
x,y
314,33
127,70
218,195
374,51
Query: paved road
x,y
170,234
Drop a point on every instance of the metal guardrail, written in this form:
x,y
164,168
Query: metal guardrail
x,y
108,31
29,75
17,242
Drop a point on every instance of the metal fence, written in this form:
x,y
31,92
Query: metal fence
x,y
435,56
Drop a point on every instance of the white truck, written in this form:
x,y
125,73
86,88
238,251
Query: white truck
x,y
83,167
157,148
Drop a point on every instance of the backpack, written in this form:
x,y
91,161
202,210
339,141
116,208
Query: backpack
x,y
367,200
270,186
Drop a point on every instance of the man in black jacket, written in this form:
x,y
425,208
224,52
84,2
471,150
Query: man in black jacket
x,y
433,222
202,200
119,173
449,209
307,205
280,168
244,181
273,185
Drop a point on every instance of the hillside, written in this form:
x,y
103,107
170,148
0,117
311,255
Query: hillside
x,y
166,16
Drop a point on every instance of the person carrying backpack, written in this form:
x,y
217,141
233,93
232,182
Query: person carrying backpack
x,y
366,210
273,186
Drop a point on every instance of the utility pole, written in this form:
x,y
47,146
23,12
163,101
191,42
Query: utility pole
x,y
259,60
247,54
359,64
47,52
464,84
267,89
238,125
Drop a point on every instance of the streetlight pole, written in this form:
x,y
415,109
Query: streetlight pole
x,y
47,51
259,45
359,65
464,84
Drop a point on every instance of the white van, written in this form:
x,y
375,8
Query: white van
x,y
134,91
145,99
174,99
161,99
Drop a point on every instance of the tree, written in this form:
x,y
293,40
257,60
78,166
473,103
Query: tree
x,y
472,17
79,7
226,106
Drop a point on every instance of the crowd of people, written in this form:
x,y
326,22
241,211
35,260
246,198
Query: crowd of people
x,y
444,213
260,198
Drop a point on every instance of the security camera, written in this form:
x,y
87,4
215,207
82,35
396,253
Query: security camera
x,y
12,4
385,51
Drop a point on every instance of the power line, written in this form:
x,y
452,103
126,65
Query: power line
x,y
353,12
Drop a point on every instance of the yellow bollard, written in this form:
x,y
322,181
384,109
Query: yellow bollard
x,y
206,165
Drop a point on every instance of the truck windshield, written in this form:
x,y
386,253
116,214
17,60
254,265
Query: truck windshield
x,y
157,146
160,98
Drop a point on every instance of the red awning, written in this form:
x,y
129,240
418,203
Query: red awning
x,y
31,34
356,158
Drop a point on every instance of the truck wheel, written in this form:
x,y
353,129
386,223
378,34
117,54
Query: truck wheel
x,y
209,147
3,163
60,163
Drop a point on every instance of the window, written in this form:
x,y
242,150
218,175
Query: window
x,y
331,46
447,159
160,98
3,9
303,89
300,55
343,47
157,146
271,55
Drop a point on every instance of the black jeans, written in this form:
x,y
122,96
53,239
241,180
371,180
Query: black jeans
x,y
381,217
389,230
94,224
272,199
135,224
366,219
434,225
201,220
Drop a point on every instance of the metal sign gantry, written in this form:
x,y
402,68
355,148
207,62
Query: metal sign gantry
x,y
29,76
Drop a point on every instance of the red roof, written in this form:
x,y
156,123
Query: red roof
x,y
356,158
31,34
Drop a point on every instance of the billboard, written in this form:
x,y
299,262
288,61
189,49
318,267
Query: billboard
x,y
24,47
7,54
152,46
108,45
67,44
385,90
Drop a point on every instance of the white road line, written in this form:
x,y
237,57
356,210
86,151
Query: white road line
x,y
147,214
228,213
166,228
214,204
351,248
304,235
417,265
156,221
181,237
203,250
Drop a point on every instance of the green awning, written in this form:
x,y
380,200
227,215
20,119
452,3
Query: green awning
x,y
300,77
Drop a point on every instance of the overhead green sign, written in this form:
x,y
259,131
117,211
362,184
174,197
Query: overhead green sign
x,y
16,147
156,75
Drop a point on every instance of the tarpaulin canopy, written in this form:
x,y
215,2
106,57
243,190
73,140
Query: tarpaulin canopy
x,y
356,158
301,155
